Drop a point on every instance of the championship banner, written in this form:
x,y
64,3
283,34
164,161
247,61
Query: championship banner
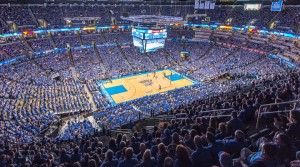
x,y
212,5
201,5
197,4
276,6
206,5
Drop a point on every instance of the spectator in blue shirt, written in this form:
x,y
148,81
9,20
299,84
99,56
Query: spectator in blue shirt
x,y
225,159
109,161
167,139
182,157
161,154
135,145
201,156
234,146
76,156
154,148
189,142
142,150
129,161
214,146
147,160
64,157
235,122
268,155
222,132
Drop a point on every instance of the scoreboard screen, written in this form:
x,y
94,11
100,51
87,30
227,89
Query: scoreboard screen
x,y
137,42
149,40
252,6
154,44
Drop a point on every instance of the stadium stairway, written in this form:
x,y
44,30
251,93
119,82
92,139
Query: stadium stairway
x,y
72,67
230,54
33,61
7,56
123,54
52,40
230,12
94,122
274,18
26,44
71,57
170,58
206,52
90,97
4,23
32,16
103,38
80,39
148,57
102,67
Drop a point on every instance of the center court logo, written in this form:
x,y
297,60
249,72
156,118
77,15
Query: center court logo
x,y
147,82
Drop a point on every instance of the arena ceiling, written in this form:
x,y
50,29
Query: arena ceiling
x,y
158,2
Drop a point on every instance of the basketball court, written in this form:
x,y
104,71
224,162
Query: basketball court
x,y
131,87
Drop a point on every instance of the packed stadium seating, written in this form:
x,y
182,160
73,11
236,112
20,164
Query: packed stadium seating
x,y
248,118
27,17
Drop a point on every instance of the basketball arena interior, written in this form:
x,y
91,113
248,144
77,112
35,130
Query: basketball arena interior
x,y
149,83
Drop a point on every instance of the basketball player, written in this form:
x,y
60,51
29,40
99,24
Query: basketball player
x,y
159,87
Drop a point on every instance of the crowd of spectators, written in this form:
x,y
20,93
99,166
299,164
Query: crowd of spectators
x,y
61,41
41,44
20,15
87,64
87,39
31,100
13,49
190,140
27,17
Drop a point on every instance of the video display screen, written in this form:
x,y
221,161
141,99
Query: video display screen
x,y
138,42
154,44
252,6
149,40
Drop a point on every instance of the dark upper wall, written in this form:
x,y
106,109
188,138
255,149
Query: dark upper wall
x,y
153,2
158,2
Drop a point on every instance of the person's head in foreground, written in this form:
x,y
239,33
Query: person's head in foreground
x,y
225,159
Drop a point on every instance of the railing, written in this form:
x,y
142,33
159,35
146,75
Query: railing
x,y
115,132
165,117
211,114
216,116
215,112
261,112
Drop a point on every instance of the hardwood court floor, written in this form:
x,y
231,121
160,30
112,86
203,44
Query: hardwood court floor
x,y
136,86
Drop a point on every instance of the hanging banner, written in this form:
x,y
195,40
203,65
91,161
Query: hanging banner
x,y
212,5
207,3
277,6
197,4
201,5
